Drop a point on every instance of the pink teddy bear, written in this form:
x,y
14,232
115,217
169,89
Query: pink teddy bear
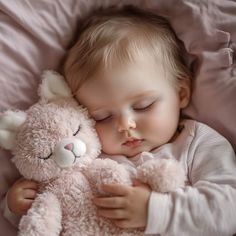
x,y
54,142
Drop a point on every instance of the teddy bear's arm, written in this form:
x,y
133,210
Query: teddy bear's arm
x,y
44,216
106,171
162,175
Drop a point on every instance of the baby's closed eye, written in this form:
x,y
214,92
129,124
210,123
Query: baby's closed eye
x,y
143,105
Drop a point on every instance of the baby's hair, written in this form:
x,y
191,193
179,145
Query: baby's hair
x,y
116,36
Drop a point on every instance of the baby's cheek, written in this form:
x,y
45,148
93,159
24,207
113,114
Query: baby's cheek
x,y
106,136
149,122
102,132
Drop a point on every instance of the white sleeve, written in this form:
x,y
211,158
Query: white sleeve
x,y
208,206
8,214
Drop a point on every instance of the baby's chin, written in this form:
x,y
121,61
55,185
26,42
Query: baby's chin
x,y
135,152
130,152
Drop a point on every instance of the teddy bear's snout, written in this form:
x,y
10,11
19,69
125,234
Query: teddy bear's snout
x,y
68,151
69,146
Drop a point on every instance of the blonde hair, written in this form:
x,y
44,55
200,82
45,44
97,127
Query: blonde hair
x,y
117,36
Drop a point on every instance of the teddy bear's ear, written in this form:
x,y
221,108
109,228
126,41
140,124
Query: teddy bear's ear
x,y
53,86
10,121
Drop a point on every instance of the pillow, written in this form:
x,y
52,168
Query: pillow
x,y
36,34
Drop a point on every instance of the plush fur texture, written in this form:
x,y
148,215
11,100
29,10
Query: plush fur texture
x,y
54,142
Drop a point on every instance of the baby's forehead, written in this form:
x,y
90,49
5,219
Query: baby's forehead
x,y
112,47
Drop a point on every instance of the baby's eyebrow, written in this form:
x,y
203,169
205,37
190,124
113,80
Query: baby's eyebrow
x,y
96,107
98,110
144,94
104,108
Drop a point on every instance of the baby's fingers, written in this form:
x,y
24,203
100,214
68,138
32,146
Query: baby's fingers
x,y
116,189
28,184
110,202
29,194
25,205
123,223
117,214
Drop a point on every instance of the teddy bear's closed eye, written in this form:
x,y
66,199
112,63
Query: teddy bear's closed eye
x,y
69,147
45,158
77,131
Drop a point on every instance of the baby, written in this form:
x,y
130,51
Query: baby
x,y
127,69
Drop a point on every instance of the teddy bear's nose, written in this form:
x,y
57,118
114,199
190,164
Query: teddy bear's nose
x,y
69,146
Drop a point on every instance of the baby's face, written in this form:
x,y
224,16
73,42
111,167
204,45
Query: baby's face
x,y
136,108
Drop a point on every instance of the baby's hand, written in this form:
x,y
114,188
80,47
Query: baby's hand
x,y
128,205
21,196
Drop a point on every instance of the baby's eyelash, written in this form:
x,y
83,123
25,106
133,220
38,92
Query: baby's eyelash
x,y
104,119
144,108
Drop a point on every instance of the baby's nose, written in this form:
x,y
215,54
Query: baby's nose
x,y
125,123
69,146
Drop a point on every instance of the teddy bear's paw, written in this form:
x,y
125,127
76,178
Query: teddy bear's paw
x,y
163,175
106,171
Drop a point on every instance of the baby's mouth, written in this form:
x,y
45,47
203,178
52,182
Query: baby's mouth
x,y
133,142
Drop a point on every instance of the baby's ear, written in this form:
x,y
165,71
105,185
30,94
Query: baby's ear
x,y
53,86
10,121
